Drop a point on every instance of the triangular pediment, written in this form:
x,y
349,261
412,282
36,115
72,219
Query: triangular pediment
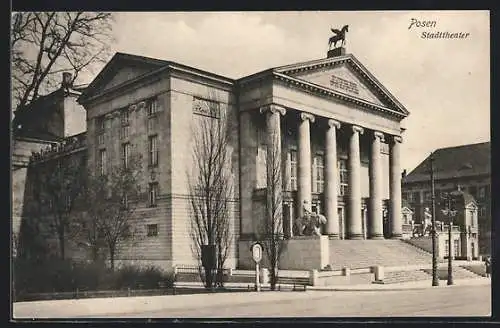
x,y
342,79
120,69
346,76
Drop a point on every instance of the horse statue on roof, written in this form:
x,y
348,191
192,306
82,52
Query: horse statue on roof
x,y
339,36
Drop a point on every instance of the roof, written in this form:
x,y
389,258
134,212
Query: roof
x,y
454,162
153,66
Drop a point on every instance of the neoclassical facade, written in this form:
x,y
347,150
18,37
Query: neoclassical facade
x,y
340,138
333,127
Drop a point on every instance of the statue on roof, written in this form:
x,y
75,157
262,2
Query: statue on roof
x,y
339,35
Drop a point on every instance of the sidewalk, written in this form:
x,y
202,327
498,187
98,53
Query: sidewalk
x,y
128,305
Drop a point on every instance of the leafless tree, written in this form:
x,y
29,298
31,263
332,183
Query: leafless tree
x,y
44,44
59,182
211,188
111,201
270,232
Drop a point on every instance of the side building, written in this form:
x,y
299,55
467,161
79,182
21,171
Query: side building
x,y
40,126
465,167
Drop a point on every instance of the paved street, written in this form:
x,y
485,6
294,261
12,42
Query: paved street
x,y
453,301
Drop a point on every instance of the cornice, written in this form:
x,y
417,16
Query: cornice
x,y
328,93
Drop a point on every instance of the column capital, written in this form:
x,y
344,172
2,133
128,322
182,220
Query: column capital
x,y
273,108
357,129
334,123
397,139
306,116
378,134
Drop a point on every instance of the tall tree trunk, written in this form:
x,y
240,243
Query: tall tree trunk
x,y
112,257
61,244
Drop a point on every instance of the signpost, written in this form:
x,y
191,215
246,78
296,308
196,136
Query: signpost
x,y
256,250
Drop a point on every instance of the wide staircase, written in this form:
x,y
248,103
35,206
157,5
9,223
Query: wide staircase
x,y
366,253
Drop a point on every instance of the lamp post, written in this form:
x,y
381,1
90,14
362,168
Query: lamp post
x,y
435,279
449,212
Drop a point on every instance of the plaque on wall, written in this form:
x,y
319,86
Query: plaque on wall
x,y
206,107
344,85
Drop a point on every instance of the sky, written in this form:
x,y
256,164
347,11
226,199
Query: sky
x,y
444,83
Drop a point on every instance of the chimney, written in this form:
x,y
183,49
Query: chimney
x,y
66,80
335,52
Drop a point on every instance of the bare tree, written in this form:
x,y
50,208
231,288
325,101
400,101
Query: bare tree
x,y
44,44
59,183
270,232
111,201
211,188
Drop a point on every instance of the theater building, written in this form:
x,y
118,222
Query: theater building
x,y
340,139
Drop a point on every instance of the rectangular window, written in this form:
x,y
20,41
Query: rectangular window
x,y
125,154
102,162
125,201
153,150
152,106
152,124
124,132
482,192
293,167
343,177
427,196
473,191
456,247
318,173
124,117
152,230
416,196
153,194
472,219
100,129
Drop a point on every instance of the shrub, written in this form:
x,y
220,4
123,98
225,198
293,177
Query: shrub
x,y
56,275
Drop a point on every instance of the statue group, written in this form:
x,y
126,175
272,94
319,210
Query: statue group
x,y
309,224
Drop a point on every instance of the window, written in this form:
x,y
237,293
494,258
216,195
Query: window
x,y
124,117
343,177
100,129
446,248
102,162
124,129
152,230
153,194
473,191
318,173
456,248
293,166
152,106
125,201
427,196
416,196
482,210
408,196
472,219
153,150
125,154
482,192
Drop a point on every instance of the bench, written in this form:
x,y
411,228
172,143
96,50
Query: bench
x,y
294,281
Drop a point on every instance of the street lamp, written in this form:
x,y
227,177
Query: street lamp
x,y
435,279
449,212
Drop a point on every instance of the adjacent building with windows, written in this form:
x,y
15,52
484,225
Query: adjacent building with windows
x,y
466,167
339,131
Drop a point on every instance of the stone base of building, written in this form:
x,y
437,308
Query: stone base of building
x,y
300,253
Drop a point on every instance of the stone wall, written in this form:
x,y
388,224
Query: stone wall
x,y
301,253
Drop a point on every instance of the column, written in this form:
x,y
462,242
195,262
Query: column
x,y
354,224
304,163
273,159
331,187
395,187
375,217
